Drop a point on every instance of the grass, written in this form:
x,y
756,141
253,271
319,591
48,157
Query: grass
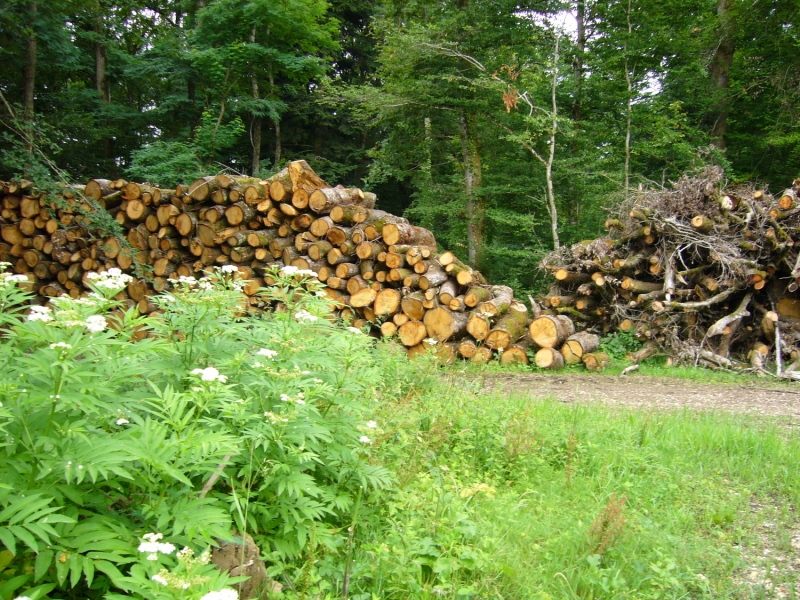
x,y
507,497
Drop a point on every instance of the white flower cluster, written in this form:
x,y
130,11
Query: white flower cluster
x,y
364,440
355,330
290,270
299,400
122,421
304,315
210,374
152,546
60,345
112,279
273,418
20,597
267,352
9,279
40,313
229,269
430,341
224,594
96,323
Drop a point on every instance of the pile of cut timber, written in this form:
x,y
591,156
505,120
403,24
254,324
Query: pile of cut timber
x,y
382,269
703,272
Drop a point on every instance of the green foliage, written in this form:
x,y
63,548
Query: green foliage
x,y
211,424
620,343
165,163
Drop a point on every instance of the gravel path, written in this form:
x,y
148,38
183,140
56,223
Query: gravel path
x,y
659,393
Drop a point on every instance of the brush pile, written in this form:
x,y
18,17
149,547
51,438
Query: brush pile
x,y
702,272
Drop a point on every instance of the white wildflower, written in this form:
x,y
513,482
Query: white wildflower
x,y
225,594
96,323
364,440
112,279
267,352
304,315
22,598
430,341
188,281
40,313
372,425
306,272
284,398
289,270
354,330
7,279
152,546
122,421
229,269
300,402
159,579
205,285
60,345
320,294
210,374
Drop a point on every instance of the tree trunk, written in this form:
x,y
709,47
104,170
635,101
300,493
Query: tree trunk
x,y
255,127
30,74
473,178
720,72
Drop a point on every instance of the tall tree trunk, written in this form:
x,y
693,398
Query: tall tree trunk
x,y
473,178
574,207
30,75
552,209
720,72
277,121
629,106
255,131
101,81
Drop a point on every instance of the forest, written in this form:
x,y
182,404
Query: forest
x,y
507,128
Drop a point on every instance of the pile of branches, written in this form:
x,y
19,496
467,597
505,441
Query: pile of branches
x,y
380,270
704,272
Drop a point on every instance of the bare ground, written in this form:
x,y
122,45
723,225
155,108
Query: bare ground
x,y
654,393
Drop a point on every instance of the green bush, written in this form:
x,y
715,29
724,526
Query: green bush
x,y
192,424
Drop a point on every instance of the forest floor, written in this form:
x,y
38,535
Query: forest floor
x,y
657,393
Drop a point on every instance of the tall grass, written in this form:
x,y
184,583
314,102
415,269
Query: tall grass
x,y
518,497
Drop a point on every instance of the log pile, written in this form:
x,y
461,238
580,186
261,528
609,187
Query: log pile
x,y
702,272
382,271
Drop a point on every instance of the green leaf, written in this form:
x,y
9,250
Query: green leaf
x,y
75,569
23,534
113,573
8,540
43,561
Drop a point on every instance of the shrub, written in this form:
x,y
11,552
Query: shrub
x,y
119,448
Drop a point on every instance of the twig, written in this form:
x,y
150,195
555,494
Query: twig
x,y
216,475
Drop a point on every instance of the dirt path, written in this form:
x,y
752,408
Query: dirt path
x,y
659,393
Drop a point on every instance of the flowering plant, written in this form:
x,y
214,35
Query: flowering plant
x,y
212,423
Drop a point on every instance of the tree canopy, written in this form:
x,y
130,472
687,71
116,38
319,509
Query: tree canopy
x,y
505,127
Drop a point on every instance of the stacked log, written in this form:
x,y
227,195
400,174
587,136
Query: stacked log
x,y
382,271
703,272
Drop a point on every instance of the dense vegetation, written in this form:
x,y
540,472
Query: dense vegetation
x,y
454,112
359,474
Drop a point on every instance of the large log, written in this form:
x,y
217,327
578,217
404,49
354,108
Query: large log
x,y
509,328
550,331
442,324
322,201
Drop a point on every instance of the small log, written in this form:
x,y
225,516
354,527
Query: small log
x,y
596,361
387,302
412,333
549,358
479,325
502,296
579,344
